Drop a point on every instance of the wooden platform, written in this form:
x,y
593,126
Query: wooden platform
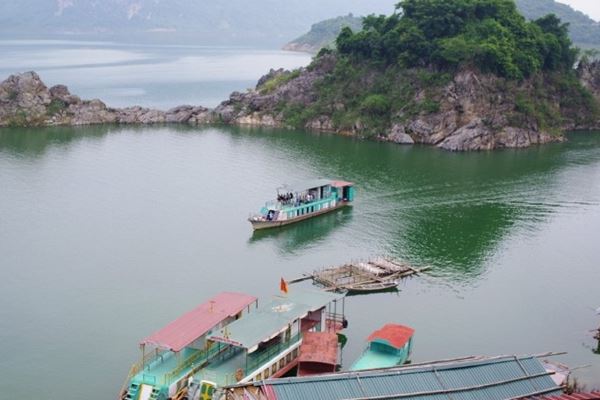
x,y
377,274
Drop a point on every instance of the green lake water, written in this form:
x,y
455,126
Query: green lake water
x,y
107,233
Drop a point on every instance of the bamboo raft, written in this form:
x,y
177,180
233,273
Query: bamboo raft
x,y
375,275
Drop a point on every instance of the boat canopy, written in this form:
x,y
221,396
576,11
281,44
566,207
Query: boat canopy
x,y
190,326
392,335
273,317
303,186
341,184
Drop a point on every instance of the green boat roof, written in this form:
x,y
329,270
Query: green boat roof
x,y
273,317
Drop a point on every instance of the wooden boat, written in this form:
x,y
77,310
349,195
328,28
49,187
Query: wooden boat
x,y
303,201
391,285
379,274
318,353
173,354
387,347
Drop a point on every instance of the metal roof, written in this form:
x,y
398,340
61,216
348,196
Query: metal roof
x,y
190,326
273,317
319,347
573,396
393,335
497,378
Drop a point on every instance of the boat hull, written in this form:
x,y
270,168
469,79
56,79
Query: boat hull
x,y
260,225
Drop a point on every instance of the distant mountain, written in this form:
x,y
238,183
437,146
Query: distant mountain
x,y
584,31
231,22
323,34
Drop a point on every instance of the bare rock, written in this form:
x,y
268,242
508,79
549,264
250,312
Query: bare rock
x,y
398,135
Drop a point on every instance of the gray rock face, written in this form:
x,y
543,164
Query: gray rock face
x,y
473,113
26,101
398,135
260,106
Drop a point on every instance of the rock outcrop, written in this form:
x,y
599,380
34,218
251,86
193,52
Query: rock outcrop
x,y
26,101
473,111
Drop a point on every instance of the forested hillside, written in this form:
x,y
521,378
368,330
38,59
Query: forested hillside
x,y
584,31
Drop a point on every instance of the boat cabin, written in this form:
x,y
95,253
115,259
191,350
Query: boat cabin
x,y
171,355
387,347
266,343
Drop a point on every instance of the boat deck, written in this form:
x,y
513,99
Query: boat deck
x,y
222,369
375,359
160,370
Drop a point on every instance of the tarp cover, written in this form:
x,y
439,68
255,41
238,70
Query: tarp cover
x,y
190,326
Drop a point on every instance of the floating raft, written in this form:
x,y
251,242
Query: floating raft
x,y
375,275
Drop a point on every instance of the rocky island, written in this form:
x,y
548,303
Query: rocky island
x,y
464,75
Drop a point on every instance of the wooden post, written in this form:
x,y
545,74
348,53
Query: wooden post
x,y
143,355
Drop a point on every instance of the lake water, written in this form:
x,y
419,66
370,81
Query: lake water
x,y
160,76
107,233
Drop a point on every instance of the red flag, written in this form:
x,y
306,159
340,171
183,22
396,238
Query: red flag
x,y
283,286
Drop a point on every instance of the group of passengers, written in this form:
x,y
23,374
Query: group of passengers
x,y
285,198
296,200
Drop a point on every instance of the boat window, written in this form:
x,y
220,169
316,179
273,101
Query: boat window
x,y
273,369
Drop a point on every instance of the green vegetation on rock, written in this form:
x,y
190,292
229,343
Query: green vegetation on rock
x,y
490,34
434,64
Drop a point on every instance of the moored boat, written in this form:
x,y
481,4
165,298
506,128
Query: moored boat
x,y
266,344
173,354
387,347
303,201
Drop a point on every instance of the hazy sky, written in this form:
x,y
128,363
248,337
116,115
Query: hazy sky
x,y
590,7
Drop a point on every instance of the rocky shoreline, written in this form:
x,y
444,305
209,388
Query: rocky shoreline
x,y
472,113
26,101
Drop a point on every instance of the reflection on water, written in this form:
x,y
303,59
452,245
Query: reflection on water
x,y
115,230
301,235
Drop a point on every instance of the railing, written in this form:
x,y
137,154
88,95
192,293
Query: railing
x,y
199,358
256,359
135,368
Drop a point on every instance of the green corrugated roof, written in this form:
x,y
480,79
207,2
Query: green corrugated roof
x,y
273,316
491,379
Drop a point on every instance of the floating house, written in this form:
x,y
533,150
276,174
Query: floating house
x,y
302,201
490,378
266,343
174,353
387,347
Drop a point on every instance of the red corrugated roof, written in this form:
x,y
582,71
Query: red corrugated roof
x,y
574,396
396,335
319,347
190,326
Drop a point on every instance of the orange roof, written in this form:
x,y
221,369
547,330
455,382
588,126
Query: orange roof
x,y
319,347
393,334
341,183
